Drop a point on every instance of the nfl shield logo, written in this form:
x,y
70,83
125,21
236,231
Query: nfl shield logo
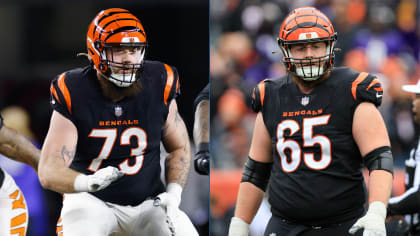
x,y
304,101
118,111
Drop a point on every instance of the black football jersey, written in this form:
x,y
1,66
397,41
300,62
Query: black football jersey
x,y
124,134
316,177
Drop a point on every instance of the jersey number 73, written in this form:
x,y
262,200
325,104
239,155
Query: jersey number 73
x,y
110,136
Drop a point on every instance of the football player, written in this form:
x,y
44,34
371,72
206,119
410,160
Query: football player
x,y
201,131
102,148
408,203
13,209
314,129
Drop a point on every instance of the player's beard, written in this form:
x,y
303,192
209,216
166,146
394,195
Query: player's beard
x,y
312,83
116,93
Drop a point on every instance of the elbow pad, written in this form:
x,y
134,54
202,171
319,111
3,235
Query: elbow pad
x,y
257,173
380,159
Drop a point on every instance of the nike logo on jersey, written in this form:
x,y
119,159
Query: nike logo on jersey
x,y
378,95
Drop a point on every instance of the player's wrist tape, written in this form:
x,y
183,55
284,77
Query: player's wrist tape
x,y
238,227
203,147
174,188
81,183
377,208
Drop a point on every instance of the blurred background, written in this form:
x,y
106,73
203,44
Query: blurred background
x,y
377,36
40,39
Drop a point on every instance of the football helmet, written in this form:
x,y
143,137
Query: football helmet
x,y
307,25
114,30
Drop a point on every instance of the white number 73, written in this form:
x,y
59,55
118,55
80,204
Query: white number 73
x,y
110,136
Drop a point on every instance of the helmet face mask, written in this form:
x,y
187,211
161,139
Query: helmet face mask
x,y
122,71
302,27
117,44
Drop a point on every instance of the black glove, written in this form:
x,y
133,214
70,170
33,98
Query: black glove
x,y
202,162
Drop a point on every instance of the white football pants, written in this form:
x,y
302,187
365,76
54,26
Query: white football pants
x,y
84,214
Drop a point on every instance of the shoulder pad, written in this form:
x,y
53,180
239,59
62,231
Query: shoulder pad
x,y
258,95
60,92
172,86
367,88
60,96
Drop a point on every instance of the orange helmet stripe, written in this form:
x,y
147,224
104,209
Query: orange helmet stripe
x,y
105,14
362,76
169,82
304,19
64,90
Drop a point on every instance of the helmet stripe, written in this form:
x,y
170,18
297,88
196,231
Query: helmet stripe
x,y
116,20
318,16
125,28
106,16
305,24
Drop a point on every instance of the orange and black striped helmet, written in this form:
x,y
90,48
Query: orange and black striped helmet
x,y
116,27
307,25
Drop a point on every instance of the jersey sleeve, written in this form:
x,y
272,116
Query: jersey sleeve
x,y
258,95
60,97
367,88
172,86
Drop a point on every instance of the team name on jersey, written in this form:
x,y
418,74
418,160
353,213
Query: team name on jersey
x,y
302,113
118,122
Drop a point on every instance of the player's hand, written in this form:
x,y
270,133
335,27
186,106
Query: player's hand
x,y
202,159
373,222
238,227
170,200
97,181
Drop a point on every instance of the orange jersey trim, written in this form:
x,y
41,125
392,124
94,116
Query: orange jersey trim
x,y
362,76
18,220
261,89
18,231
59,228
54,93
64,90
169,82
374,81
177,84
